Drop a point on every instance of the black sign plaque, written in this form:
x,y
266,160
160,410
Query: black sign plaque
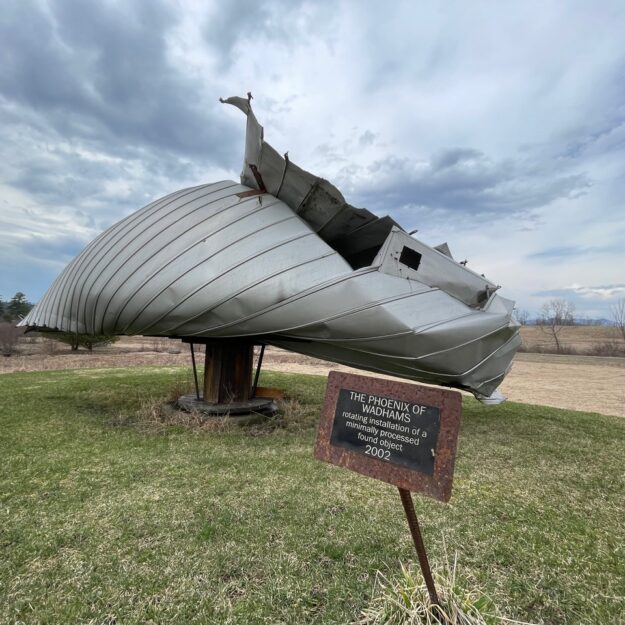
x,y
392,430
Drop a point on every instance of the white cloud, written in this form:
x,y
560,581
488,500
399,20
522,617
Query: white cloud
x,y
609,292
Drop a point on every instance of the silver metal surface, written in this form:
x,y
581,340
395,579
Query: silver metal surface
x,y
295,265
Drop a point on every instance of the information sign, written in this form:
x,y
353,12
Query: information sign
x,y
403,434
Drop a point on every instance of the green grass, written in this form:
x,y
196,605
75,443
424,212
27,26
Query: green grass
x,y
104,520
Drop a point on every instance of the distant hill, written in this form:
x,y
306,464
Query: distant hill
x,y
578,322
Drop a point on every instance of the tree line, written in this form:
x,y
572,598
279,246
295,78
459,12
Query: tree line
x,y
12,311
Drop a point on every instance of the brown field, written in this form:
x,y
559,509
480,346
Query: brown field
x,y
576,382
579,339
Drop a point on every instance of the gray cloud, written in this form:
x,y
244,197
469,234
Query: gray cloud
x,y
95,186
463,180
233,22
94,115
565,253
232,26
99,72
62,248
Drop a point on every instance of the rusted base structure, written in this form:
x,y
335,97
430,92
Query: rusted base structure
x,y
227,387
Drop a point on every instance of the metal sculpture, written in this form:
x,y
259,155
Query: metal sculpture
x,y
282,259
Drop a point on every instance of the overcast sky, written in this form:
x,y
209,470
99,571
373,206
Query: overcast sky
x,y
497,127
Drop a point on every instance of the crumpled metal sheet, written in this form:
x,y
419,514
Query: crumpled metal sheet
x,y
349,230
284,259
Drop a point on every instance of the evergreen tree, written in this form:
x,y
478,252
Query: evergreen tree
x,y
17,307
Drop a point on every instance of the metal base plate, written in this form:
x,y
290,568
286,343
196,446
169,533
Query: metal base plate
x,y
254,407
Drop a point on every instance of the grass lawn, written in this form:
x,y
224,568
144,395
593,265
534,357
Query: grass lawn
x,y
106,517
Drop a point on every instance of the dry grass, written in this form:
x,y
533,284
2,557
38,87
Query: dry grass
x,y
404,600
48,346
182,385
611,349
158,414
575,340
10,336
296,416
158,344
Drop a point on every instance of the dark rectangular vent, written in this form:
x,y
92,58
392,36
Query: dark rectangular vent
x,y
410,258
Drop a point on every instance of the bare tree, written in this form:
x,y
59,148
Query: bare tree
x,y
9,337
82,340
618,315
554,315
522,316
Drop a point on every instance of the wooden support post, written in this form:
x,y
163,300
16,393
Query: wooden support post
x,y
228,371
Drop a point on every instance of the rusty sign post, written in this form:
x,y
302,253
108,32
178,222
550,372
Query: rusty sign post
x,y
403,434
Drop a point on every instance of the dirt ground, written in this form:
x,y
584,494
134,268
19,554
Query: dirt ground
x,y
576,382
595,384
